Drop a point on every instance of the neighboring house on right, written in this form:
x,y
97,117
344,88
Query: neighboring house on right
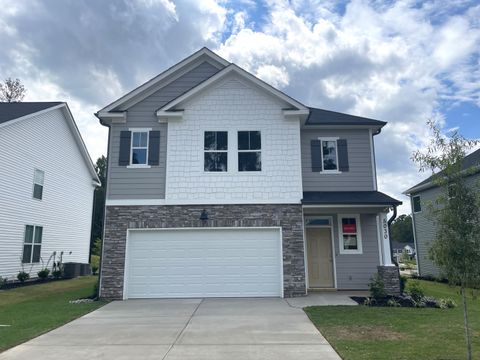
x,y
399,248
424,229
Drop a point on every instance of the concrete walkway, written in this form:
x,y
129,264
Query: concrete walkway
x,y
183,329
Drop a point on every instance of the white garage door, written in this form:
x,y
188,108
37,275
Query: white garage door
x,y
203,263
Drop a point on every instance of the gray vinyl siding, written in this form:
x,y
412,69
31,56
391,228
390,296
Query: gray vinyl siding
x,y
127,183
354,271
425,229
360,176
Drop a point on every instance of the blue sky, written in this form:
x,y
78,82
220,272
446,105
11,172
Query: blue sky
x,y
400,61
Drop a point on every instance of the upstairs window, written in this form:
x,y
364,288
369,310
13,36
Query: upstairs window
x,y
329,155
417,206
249,151
139,152
32,244
215,145
350,234
38,178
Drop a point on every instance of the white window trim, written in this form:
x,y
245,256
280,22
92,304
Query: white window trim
x,y
359,251
35,183
335,139
215,151
32,244
246,151
139,130
413,204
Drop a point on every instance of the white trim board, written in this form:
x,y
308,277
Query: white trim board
x,y
151,202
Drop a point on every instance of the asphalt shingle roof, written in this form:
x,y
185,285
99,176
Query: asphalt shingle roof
x,y
326,117
348,198
15,110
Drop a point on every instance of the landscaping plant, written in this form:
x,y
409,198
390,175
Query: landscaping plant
x,y
456,247
43,274
23,276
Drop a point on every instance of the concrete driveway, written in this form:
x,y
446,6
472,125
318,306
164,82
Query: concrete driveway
x,y
183,329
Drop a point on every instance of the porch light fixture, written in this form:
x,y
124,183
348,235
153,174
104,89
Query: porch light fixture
x,y
204,216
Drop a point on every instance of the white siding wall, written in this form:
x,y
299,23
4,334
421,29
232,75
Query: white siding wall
x,y
44,142
233,106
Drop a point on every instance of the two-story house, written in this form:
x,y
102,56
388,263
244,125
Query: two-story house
x,y
421,196
47,183
220,185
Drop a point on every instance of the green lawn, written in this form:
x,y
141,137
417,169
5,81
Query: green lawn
x,y
33,310
361,332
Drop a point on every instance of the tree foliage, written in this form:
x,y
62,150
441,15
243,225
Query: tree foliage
x,y
456,247
12,91
99,201
401,229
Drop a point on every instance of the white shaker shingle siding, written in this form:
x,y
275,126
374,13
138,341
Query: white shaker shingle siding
x,y
234,106
65,212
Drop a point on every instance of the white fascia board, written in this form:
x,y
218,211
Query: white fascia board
x,y
322,206
204,52
80,143
340,126
295,114
232,68
165,116
152,202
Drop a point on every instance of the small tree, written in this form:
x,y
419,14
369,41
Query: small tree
x,y
456,248
12,91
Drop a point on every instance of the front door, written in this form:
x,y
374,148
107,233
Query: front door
x,y
320,258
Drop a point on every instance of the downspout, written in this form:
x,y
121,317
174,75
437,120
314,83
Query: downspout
x,y
389,223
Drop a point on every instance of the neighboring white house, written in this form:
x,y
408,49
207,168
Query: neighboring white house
x,y
46,187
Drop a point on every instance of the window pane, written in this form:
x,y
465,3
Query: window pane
x,y
350,242
255,140
215,161
222,140
37,191
249,161
136,139
29,234
27,253
39,177
139,156
319,222
243,140
417,206
209,140
38,234
329,155
36,253
349,225
143,139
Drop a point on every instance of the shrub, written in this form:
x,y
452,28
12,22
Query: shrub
x,y
403,282
430,301
3,282
414,289
43,274
420,303
94,263
23,276
447,303
377,287
57,274
393,303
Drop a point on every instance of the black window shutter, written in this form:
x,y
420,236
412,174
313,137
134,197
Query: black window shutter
x,y
316,153
342,155
154,148
124,153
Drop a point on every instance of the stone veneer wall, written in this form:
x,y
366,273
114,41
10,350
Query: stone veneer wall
x,y
120,218
391,279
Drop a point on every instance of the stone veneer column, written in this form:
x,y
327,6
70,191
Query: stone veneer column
x,y
120,218
391,279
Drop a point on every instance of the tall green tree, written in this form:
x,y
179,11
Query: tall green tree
x,y
401,229
456,247
99,201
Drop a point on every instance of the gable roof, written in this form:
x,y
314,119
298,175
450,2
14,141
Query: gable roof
x,y
327,117
143,90
233,69
469,161
18,111
15,110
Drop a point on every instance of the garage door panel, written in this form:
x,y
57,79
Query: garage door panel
x,y
203,263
